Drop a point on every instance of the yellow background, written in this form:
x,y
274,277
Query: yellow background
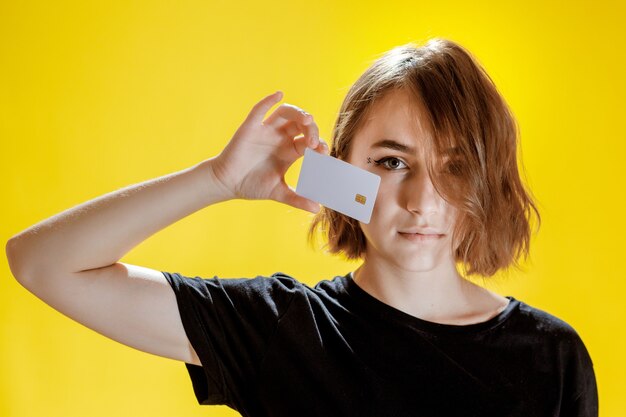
x,y
97,96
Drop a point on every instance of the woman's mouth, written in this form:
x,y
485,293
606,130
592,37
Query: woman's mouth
x,y
419,237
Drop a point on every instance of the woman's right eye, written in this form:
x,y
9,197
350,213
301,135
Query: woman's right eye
x,y
390,163
455,168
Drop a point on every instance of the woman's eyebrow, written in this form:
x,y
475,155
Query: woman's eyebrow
x,y
401,147
396,146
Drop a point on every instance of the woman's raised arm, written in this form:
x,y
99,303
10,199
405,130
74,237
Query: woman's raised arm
x,y
101,231
70,260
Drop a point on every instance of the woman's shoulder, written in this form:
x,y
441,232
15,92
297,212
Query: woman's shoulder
x,y
281,283
540,322
290,281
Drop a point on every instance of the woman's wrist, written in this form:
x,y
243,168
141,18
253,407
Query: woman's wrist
x,y
212,189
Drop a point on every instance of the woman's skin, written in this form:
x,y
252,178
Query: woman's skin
x,y
71,260
415,275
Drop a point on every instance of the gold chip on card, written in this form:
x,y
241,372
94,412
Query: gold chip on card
x,y
360,199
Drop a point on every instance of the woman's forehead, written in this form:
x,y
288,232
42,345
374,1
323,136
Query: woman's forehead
x,y
394,120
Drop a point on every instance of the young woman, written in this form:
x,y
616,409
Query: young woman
x,y
406,333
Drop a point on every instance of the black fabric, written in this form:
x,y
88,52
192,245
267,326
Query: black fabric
x,y
272,346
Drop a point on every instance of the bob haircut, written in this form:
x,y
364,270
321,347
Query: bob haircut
x,y
462,110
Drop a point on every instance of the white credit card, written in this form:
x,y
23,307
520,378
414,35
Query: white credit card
x,y
338,185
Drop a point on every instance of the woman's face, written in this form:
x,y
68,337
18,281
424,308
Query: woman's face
x,y
411,224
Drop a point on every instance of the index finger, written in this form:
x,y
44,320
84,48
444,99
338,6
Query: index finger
x,y
286,113
258,111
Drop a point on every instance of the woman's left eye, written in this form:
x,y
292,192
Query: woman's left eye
x,y
390,163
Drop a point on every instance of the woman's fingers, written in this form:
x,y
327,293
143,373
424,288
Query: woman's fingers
x,y
286,112
259,110
300,144
293,129
287,195
289,118
256,159
322,147
293,121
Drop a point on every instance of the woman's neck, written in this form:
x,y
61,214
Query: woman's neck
x,y
440,295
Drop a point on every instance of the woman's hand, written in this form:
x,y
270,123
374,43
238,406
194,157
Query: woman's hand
x,y
253,164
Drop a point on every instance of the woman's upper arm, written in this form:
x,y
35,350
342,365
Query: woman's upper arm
x,y
130,304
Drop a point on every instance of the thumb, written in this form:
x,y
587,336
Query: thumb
x,y
257,113
287,195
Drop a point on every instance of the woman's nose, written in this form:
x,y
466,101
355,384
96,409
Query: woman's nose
x,y
420,194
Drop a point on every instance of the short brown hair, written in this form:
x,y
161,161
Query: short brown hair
x,y
463,110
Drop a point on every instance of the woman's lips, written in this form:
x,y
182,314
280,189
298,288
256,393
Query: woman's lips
x,y
418,237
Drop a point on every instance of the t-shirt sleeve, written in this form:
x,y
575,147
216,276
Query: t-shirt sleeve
x,y
229,322
582,392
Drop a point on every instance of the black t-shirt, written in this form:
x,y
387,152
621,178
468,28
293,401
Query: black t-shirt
x,y
273,346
